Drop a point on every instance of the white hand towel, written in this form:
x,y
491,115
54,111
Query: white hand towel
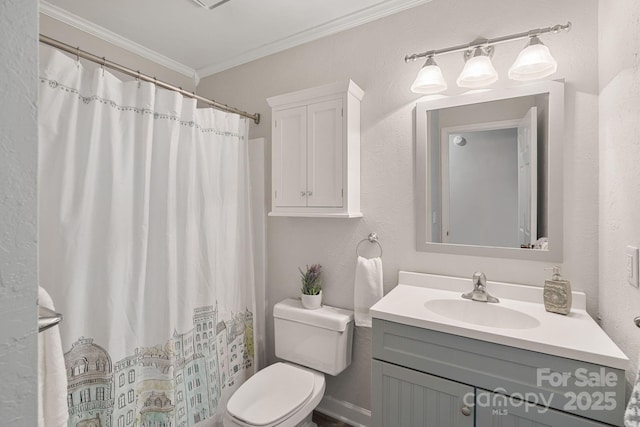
x,y
367,289
52,374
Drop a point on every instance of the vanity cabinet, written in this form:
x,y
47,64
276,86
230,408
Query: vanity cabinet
x,y
316,152
419,374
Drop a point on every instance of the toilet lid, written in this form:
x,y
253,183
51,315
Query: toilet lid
x,y
271,394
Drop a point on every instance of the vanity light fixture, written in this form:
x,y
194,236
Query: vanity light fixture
x,y
534,62
429,79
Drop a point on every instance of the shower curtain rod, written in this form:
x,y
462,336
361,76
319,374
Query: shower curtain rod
x,y
137,74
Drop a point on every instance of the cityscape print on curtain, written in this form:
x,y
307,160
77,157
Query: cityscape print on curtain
x,y
179,383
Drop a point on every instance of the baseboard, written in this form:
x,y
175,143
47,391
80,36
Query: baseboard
x,y
344,411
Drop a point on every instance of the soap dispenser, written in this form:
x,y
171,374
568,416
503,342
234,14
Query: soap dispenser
x,y
557,293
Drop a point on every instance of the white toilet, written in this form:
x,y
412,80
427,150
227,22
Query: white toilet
x,y
285,394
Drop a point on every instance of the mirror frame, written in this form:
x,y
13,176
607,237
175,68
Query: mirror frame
x,y
555,91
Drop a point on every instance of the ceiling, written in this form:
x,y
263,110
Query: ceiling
x,y
198,41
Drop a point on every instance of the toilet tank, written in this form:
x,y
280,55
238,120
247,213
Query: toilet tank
x,y
319,339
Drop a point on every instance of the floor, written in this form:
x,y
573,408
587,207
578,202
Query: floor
x,y
326,421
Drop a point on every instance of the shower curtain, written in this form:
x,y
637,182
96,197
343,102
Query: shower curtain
x,y
145,247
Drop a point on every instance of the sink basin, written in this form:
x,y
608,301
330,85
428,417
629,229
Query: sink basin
x,y
481,313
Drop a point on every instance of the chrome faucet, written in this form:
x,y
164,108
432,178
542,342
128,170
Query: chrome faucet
x,y
479,292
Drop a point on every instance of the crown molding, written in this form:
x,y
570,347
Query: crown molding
x,y
331,27
337,25
82,24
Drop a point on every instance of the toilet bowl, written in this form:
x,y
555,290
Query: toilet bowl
x,y
313,342
281,395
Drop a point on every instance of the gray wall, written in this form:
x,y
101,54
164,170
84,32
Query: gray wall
x,y
18,165
619,52
372,55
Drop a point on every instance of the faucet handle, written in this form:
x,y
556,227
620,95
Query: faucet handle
x,y
479,279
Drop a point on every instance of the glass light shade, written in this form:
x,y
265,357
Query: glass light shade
x,y
533,62
478,72
429,79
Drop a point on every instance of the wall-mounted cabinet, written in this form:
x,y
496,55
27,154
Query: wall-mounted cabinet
x,y
316,152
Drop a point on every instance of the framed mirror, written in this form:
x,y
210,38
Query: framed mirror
x,y
489,173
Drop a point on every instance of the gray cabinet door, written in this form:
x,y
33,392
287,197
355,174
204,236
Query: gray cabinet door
x,y
406,398
494,410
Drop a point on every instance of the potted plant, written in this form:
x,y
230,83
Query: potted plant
x,y
311,287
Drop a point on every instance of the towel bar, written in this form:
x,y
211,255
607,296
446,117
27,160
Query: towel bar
x,y
47,318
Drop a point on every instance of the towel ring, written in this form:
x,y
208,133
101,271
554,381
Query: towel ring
x,y
371,238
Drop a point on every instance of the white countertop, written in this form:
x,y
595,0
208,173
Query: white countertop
x,y
574,336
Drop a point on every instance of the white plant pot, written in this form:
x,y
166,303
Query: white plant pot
x,y
312,302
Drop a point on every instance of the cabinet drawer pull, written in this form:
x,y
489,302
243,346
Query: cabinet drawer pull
x,y
466,411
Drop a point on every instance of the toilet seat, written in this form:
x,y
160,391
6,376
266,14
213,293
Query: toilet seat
x,y
275,395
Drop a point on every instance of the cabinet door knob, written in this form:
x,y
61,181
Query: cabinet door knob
x,y
303,193
466,411
309,193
